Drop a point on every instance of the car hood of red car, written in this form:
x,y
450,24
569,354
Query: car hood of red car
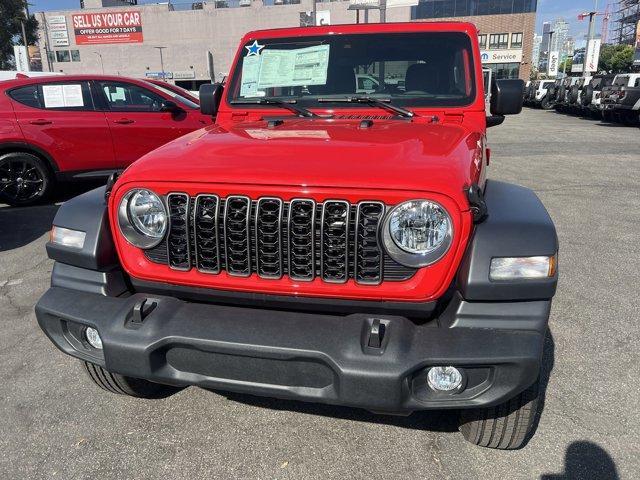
x,y
389,154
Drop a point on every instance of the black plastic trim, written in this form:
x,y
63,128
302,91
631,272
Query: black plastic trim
x,y
25,146
517,225
86,213
313,357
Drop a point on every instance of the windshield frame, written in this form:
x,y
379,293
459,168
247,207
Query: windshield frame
x,y
411,102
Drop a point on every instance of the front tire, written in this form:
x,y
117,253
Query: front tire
x,y
505,426
546,103
121,385
24,179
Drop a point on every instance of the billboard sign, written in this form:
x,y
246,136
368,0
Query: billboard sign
x,y
108,27
594,55
554,60
58,33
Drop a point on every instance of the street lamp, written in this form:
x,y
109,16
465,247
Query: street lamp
x,y
161,62
101,63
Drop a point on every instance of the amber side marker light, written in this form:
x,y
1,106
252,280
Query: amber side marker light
x,y
523,268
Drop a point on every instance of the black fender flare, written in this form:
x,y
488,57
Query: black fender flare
x,y
86,213
28,147
517,225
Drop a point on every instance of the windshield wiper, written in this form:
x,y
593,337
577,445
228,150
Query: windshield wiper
x,y
288,104
378,102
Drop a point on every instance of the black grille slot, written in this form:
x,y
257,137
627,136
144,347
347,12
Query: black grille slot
x,y
301,239
302,262
237,235
178,254
334,244
368,255
268,234
205,226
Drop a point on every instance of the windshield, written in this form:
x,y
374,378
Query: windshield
x,y
428,69
175,96
621,81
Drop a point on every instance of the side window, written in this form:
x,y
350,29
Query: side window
x,y
66,96
26,96
55,96
127,97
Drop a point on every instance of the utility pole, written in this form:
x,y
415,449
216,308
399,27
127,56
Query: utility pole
x,y
314,14
590,35
161,62
24,32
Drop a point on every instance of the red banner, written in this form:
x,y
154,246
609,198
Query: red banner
x,y
108,27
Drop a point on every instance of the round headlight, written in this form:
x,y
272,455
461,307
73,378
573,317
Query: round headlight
x,y
142,217
417,233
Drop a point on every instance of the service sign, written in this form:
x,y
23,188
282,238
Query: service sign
x,y
108,27
501,56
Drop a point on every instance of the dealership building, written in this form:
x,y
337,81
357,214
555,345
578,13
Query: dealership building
x,y
190,43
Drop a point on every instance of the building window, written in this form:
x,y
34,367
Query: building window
x,y
75,55
468,8
516,40
63,56
498,41
482,40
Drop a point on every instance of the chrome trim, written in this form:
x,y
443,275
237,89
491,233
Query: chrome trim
x,y
380,248
346,252
127,229
313,239
415,260
217,233
280,210
186,219
224,224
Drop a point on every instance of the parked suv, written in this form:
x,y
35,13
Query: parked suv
x,y
78,126
622,99
541,97
591,97
321,245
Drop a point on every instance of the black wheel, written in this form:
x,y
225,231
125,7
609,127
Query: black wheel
x,y
546,103
630,119
505,426
134,387
24,179
607,116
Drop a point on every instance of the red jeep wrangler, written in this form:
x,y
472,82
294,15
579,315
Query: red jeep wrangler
x,y
321,244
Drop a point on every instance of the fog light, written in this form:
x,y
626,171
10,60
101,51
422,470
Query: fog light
x,y
93,337
444,379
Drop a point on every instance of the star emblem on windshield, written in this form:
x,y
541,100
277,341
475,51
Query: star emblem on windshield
x,y
254,48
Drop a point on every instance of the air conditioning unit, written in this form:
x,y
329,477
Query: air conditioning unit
x,y
245,3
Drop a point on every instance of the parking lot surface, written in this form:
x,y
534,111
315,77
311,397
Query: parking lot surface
x,y
55,424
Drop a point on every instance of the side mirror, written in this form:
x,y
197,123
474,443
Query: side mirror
x,y
506,97
210,96
169,106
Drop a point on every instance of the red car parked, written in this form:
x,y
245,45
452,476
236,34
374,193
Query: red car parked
x,y
79,126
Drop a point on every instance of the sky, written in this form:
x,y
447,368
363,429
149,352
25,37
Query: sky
x,y
548,10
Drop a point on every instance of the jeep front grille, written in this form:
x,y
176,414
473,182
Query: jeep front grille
x,y
301,239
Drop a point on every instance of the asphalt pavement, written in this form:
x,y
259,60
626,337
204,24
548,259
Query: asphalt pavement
x,y
55,424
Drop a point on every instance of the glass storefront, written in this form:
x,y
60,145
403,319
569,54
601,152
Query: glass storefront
x,y
467,8
503,70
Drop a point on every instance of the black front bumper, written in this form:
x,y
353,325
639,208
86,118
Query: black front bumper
x,y
306,356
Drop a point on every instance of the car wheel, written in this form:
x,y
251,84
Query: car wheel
x,y
607,116
505,426
121,385
24,179
546,103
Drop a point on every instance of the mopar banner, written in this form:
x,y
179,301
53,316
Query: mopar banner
x,y
108,27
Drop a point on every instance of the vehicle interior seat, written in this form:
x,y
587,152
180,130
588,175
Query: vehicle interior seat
x,y
341,79
424,78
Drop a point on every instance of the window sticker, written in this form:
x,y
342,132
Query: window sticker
x,y
60,96
250,73
294,68
254,48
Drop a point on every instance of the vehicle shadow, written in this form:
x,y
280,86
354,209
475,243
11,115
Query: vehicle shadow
x,y
437,421
585,460
19,226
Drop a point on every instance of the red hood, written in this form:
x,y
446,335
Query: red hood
x,y
391,154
